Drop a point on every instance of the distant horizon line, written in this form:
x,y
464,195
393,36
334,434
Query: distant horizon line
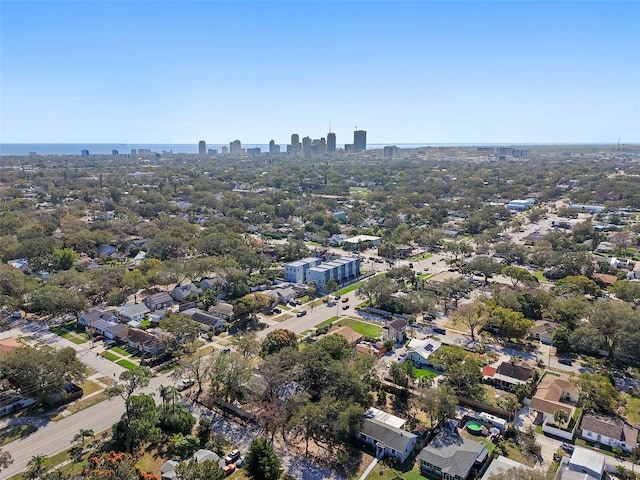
x,y
470,144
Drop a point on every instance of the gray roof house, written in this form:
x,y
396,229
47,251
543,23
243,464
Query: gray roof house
x,y
395,330
205,319
158,301
222,310
449,456
387,439
168,468
612,431
89,319
131,311
181,293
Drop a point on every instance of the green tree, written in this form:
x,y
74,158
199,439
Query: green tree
x,y
598,394
560,416
204,431
182,330
484,265
194,470
518,275
246,344
261,461
36,467
5,460
130,381
251,304
336,346
81,437
331,285
138,424
184,445
472,315
277,340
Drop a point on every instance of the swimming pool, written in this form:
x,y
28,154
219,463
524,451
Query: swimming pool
x,y
474,427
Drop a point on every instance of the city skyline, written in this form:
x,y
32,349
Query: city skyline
x,y
407,72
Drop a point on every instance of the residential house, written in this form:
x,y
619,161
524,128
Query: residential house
x,y
89,319
605,247
116,332
352,337
420,351
635,273
502,464
450,456
609,430
533,238
604,280
395,330
281,295
144,342
133,311
205,319
543,331
19,263
106,250
378,349
211,283
168,468
554,393
510,374
182,292
619,262
158,301
389,441
584,464
223,311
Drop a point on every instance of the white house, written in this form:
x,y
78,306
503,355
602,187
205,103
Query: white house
x,y
395,330
420,351
612,431
130,311
389,441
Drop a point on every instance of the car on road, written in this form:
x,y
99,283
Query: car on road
x,y
440,330
185,383
331,304
345,299
292,304
567,447
301,313
345,307
232,456
410,265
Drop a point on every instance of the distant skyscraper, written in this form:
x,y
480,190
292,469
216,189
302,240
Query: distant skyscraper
x,y
295,143
84,153
225,149
306,143
331,142
359,140
235,147
202,147
391,152
114,152
272,146
212,151
253,151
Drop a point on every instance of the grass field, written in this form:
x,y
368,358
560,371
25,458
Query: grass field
x,y
328,321
349,289
121,351
111,356
363,328
90,387
632,409
538,274
8,435
421,373
408,470
126,364
72,337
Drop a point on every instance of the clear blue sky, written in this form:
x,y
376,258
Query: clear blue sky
x,y
435,72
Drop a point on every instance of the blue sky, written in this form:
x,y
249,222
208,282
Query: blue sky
x,y
434,72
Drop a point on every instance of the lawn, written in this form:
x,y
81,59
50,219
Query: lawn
x,y
111,356
539,275
126,364
422,373
121,351
72,337
328,321
349,289
407,470
426,276
145,323
8,435
363,328
90,387
632,409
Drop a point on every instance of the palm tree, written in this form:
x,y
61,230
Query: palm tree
x,y
82,435
36,467
169,394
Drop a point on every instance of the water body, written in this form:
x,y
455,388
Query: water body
x,y
125,148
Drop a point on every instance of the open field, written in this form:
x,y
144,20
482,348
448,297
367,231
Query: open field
x,y
363,328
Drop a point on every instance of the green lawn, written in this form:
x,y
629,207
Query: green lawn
x,y
126,364
426,276
72,337
408,470
110,356
328,321
632,409
145,323
349,289
538,274
421,373
121,351
363,328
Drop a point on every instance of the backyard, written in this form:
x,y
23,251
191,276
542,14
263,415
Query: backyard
x,y
363,328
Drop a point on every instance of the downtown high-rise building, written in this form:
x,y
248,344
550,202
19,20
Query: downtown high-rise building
x,y
235,147
295,143
273,148
202,147
331,142
359,140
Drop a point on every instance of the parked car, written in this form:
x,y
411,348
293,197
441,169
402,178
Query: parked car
x,y
345,307
232,456
410,265
301,313
567,447
185,383
345,299
229,469
565,361
268,312
240,461
331,304
292,303
440,330
298,302
277,310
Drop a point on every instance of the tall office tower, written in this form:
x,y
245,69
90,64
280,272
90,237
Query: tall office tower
x,y
295,143
359,140
272,147
114,152
331,142
391,152
235,147
202,147
225,149
323,145
84,153
306,143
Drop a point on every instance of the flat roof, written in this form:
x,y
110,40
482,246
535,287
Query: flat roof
x,y
361,238
387,418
